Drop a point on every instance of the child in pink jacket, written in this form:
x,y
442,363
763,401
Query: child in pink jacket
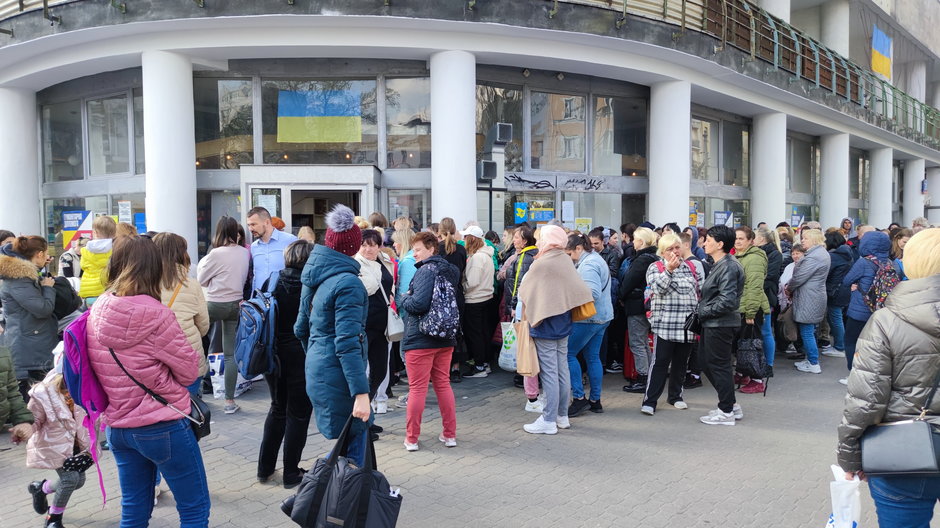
x,y
59,442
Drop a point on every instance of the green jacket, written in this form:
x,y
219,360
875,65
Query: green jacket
x,y
12,406
753,299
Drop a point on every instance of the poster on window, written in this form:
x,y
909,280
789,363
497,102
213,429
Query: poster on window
x,y
725,218
75,224
583,224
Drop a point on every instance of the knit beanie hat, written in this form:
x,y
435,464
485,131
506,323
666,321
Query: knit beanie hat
x,y
342,233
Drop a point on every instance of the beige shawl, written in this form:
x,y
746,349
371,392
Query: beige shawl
x,y
552,287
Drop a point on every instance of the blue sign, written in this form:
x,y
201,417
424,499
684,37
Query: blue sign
x,y
521,212
72,220
140,222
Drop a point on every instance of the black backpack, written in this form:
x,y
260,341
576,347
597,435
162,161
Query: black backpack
x,y
66,299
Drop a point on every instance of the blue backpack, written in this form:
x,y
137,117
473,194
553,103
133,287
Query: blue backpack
x,y
257,330
443,318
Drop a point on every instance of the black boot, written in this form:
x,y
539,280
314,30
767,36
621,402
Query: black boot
x,y
40,503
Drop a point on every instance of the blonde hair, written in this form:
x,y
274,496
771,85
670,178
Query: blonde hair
x,y
667,241
362,223
447,232
126,229
770,235
104,227
647,235
812,237
402,237
307,233
922,254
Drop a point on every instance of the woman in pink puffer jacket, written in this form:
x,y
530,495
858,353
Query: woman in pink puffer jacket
x,y
130,322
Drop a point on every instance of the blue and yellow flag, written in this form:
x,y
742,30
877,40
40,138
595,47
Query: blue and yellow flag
x,y
321,116
880,52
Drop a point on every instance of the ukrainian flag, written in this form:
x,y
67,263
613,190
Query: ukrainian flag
x,y
881,52
321,116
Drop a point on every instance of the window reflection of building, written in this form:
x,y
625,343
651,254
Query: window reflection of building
x,y
408,117
558,125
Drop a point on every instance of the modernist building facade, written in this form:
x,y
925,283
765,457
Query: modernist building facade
x,y
174,113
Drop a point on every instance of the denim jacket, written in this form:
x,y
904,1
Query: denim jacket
x,y
595,273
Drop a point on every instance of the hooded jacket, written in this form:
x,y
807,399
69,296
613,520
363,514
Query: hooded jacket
x,y
417,301
774,269
595,272
147,339
478,277
840,261
862,272
896,363
58,429
95,257
331,324
31,328
754,299
808,286
634,281
12,407
192,314
721,294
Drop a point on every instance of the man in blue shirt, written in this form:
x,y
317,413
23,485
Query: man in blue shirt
x,y
267,251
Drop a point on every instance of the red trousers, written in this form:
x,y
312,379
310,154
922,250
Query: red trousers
x,y
424,365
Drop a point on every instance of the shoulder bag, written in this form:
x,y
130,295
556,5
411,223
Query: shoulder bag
x,y
909,447
693,324
395,328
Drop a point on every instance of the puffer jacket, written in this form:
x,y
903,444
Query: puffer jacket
x,y
12,407
634,281
150,344
95,257
58,432
595,272
31,328
840,261
192,313
331,326
754,299
417,301
896,362
774,269
874,244
808,286
721,294
478,277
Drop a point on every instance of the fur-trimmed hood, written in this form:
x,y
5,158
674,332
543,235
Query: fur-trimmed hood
x,y
17,268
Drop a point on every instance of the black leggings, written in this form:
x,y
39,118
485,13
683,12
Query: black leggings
x,y
474,331
378,359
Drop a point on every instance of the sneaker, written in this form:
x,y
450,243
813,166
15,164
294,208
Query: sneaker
x,y
717,417
791,349
411,447
477,372
614,368
681,405
534,406
381,407
486,367
832,352
754,387
578,406
692,382
596,407
741,379
637,387
448,442
844,381
738,412
647,410
562,422
455,376
540,426
402,401
40,502
231,408
806,366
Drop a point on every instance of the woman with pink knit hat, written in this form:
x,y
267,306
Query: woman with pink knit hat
x,y
548,293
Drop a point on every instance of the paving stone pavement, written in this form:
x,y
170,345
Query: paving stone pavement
x,y
619,468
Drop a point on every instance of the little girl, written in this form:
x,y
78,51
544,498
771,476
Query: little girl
x,y
59,442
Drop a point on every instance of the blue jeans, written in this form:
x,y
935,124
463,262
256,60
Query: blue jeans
x,y
586,338
904,501
808,335
767,334
837,327
171,449
357,448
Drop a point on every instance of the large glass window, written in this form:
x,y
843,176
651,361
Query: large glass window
x,y
62,142
323,122
410,203
95,205
619,136
497,104
704,149
108,145
128,207
735,153
734,213
408,117
558,131
580,209
801,165
223,123
529,206
140,167
858,174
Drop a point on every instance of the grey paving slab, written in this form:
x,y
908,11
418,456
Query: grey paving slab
x,y
620,468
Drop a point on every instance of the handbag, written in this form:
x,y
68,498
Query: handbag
x,y
395,328
336,492
527,358
78,463
199,412
909,447
585,311
693,324
751,360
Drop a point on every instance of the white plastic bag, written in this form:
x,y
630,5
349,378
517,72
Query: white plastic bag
x,y
846,502
507,355
217,375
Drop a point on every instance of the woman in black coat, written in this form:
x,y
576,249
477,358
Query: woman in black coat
x,y
841,258
290,410
631,293
768,240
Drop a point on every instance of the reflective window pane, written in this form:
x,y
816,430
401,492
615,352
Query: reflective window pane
x,y
527,206
801,165
734,213
140,167
62,142
319,122
858,174
57,238
108,146
558,131
580,209
619,136
735,154
223,123
410,203
408,116
135,201
705,150
500,105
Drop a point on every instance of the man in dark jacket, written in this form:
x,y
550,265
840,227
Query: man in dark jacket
x,y
718,312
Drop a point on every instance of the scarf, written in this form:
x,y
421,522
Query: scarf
x,y
370,273
552,287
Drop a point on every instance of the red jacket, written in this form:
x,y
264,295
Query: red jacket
x,y
151,345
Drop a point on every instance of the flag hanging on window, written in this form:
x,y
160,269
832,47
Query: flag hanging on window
x,y
880,52
319,116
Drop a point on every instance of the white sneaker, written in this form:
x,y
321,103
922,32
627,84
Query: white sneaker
x,y
448,442
717,417
380,407
647,410
806,366
534,406
540,426
681,405
562,422
412,447
832,352
844,381
738,412
402,401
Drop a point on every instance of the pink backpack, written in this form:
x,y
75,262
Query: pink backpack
x,y
83,384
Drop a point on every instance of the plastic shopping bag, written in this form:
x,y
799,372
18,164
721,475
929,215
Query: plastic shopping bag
x,y
846,502
217,375
507,355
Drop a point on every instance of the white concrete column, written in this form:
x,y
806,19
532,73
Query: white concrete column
x,y
933,187
912,203
777,8
453,150
769,169
835,21
834,179
880,202
670,151
20,204
917,80
170,145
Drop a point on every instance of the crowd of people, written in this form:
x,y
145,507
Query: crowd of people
x,y
669,305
